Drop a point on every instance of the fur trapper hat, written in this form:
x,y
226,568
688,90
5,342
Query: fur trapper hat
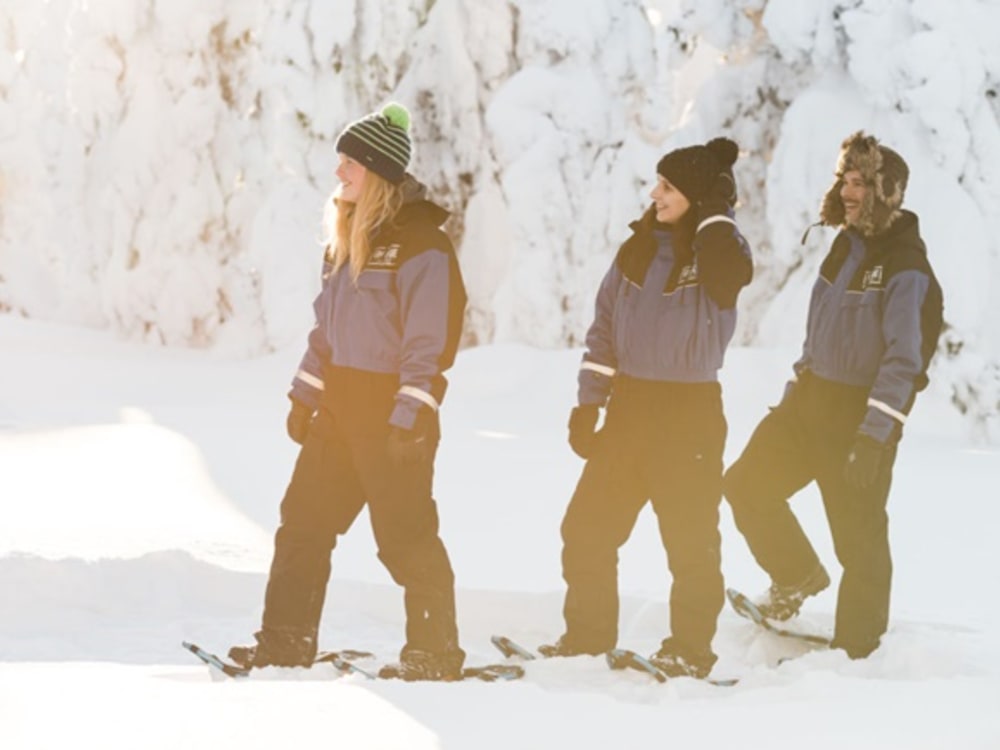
x,y
886,175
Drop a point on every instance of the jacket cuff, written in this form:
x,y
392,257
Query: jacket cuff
x,y
882,422
409,400
306,389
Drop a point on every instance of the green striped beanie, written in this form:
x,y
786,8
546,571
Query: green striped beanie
x,y
380,142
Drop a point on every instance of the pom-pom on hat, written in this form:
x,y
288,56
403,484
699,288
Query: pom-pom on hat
x,y
694,169
380,142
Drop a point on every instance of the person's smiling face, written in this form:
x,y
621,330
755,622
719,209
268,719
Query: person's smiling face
x,y
352,178
671,204
852,194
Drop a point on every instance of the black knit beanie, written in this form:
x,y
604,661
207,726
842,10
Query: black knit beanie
x,y
380,142
694,169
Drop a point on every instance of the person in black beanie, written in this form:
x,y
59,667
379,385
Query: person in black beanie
x,y
665,313
873,324
364,408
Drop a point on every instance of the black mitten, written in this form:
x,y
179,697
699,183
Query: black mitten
x,y
863,462
721,195
417,445
408,447
299,420
583,429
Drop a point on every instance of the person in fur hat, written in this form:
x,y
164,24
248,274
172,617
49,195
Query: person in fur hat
x,y
874,319
665,313
364,407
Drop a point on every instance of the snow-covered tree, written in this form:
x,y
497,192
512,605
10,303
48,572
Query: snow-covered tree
x,y
794,79
164,165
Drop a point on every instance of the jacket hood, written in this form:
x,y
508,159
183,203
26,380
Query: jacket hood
x,y
416,204
904,234
885,174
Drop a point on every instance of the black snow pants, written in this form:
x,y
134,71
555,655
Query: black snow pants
x,y
807,438
344,464
661,442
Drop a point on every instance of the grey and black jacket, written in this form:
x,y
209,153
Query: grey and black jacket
x,y
666,308
403,315
874,319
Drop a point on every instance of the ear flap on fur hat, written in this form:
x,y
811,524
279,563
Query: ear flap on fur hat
x,y
886,175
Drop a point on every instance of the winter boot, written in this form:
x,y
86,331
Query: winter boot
x,y
278,647
674,661
856,650
243,655
420,664
566,646
784,602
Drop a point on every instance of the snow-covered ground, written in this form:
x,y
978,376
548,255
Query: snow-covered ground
x,y
139,490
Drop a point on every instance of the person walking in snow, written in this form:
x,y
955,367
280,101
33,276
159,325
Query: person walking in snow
x,y
665,313
364,407
873,325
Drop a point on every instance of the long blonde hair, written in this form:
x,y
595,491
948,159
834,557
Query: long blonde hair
x,y
350,227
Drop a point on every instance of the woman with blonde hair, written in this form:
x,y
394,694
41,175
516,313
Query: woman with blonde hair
x,y
365,407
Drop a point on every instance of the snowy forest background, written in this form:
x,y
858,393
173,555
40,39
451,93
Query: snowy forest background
x,y
164,163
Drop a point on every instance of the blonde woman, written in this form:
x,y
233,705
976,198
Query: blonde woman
x,y
365,407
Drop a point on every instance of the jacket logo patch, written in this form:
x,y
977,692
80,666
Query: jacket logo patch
x,y
688,275
872,278
384,257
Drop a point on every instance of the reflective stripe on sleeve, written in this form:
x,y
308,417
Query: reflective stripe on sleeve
x,y
419,395
600,369
713,220
886,409
310,379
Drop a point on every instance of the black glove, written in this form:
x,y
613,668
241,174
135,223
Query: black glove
x,y
583,429
863,462
408,447
298,422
